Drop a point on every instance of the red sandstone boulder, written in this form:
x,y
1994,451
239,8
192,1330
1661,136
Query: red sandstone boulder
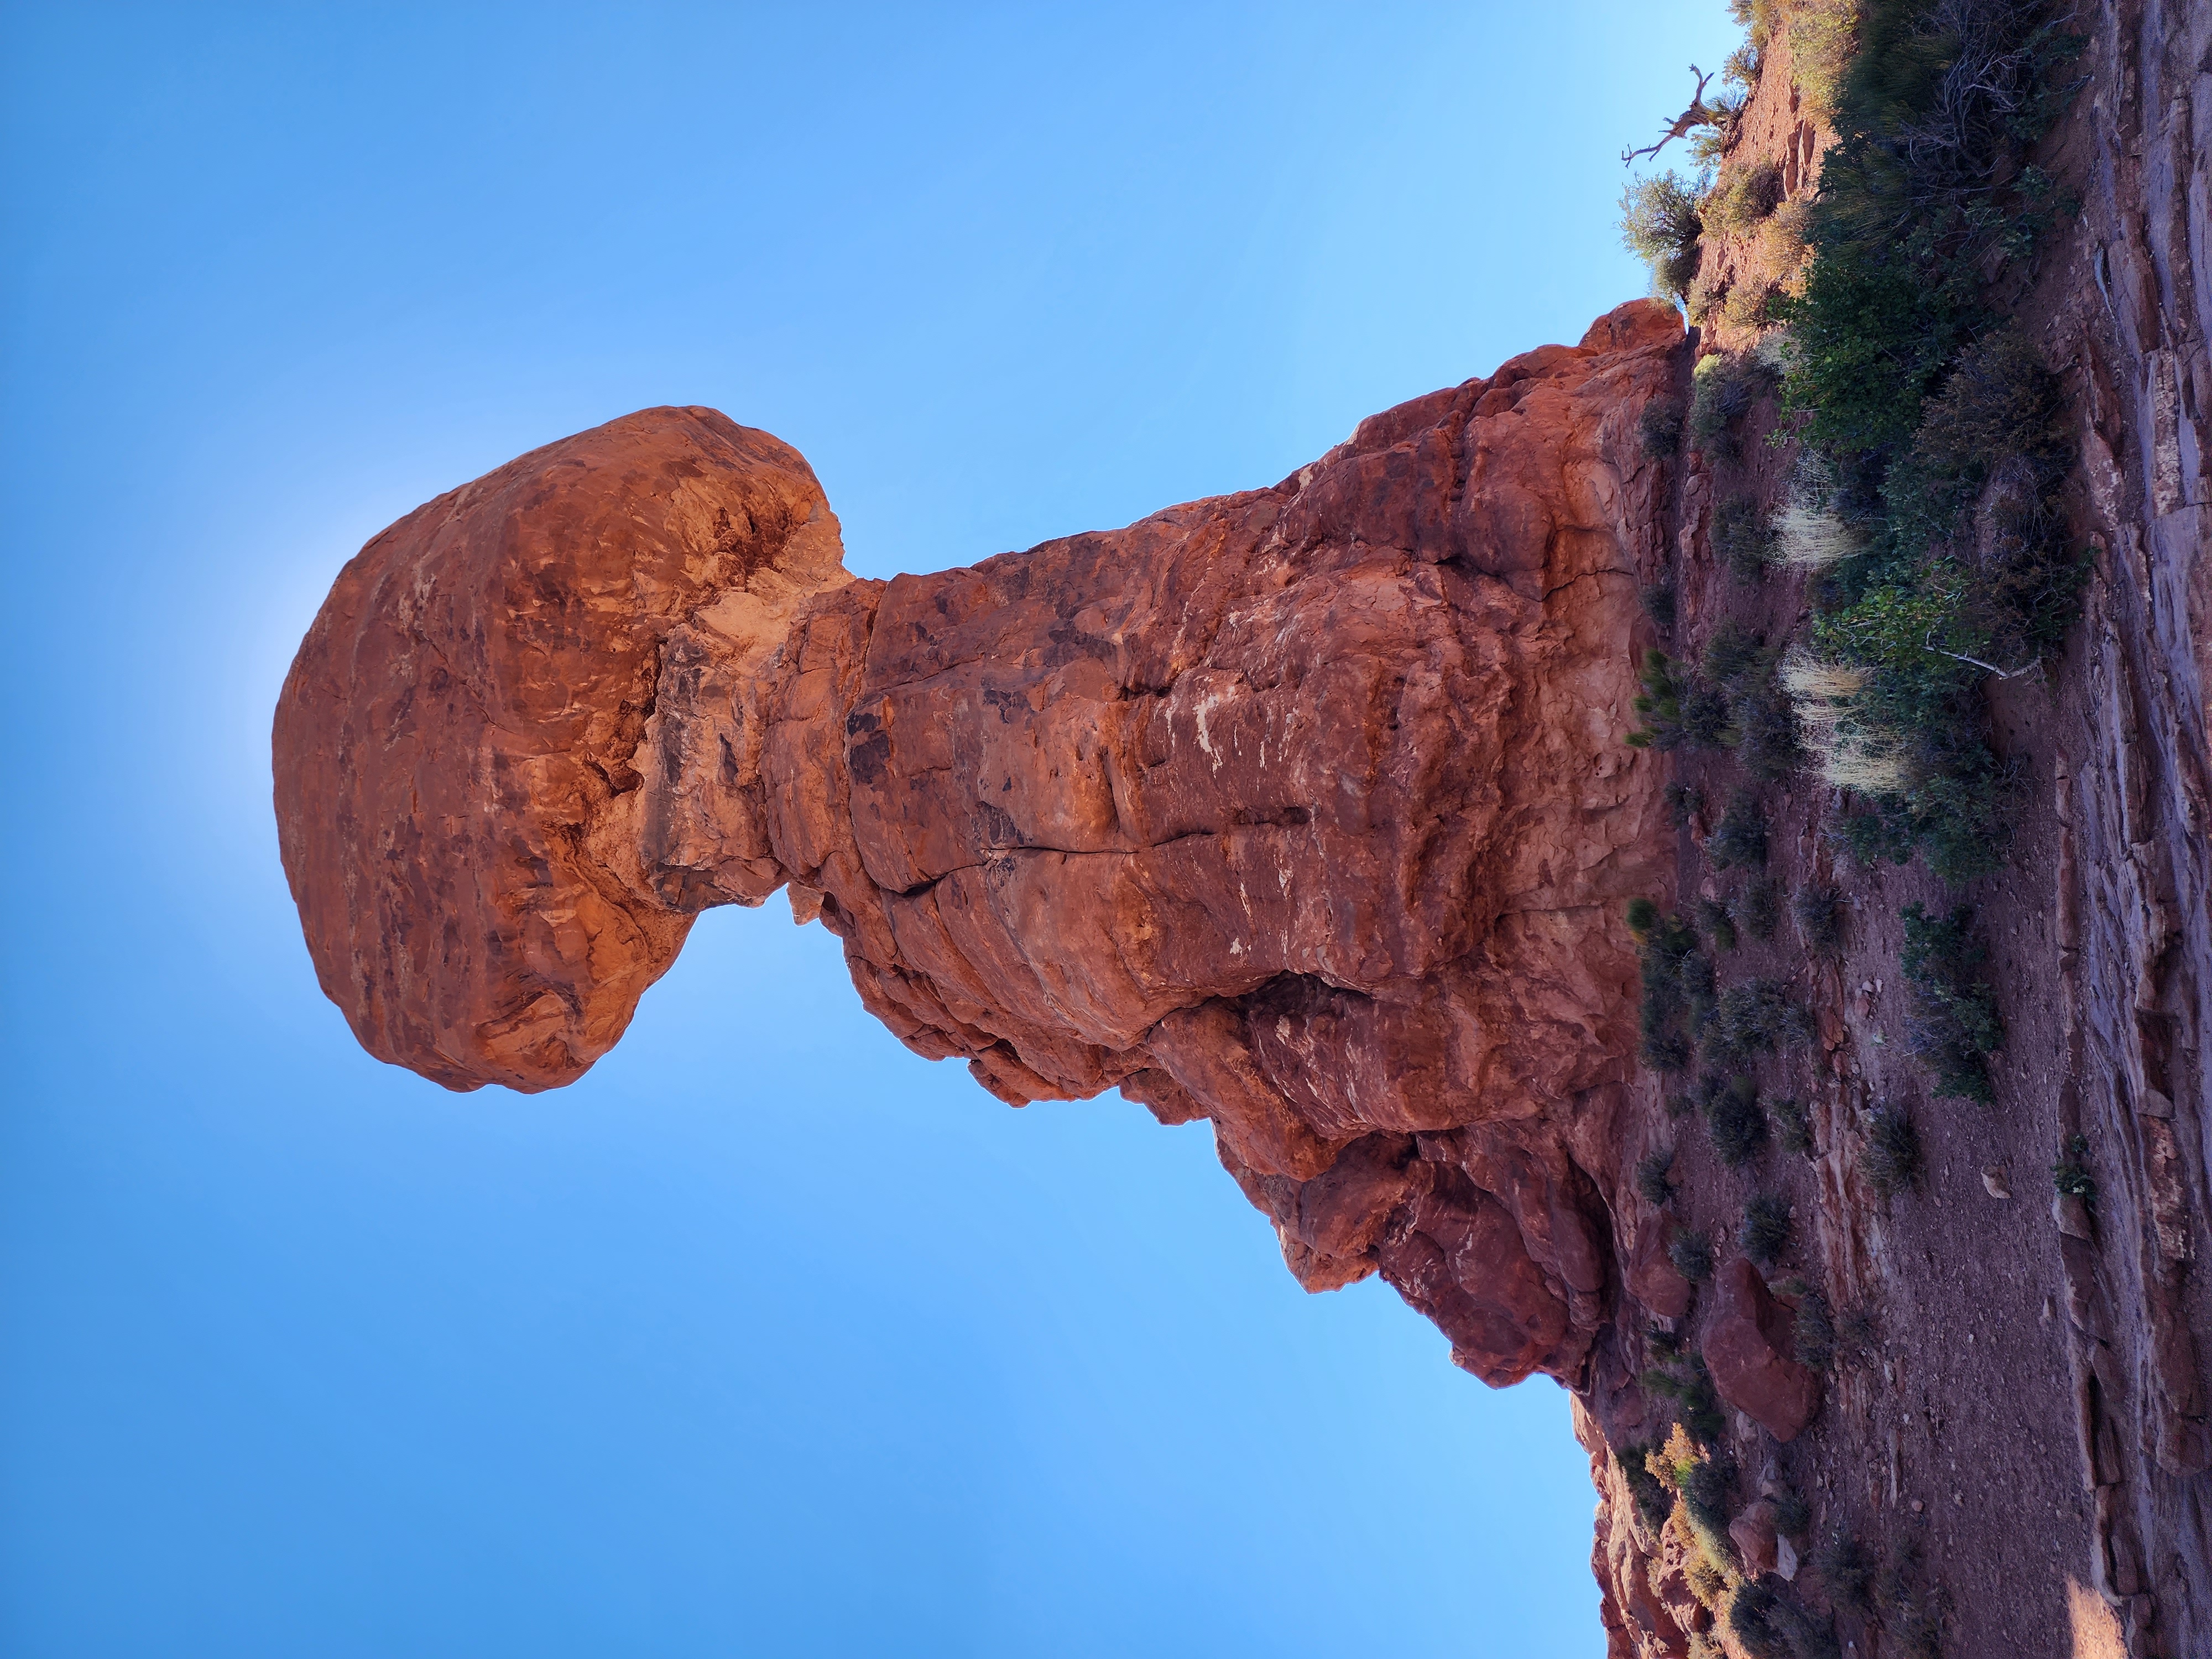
x,y
1755,1537
1746,1344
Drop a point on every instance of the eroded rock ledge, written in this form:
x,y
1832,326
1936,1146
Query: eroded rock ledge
x,y
1304,809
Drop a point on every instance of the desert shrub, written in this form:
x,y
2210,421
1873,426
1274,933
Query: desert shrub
x,y
1819,910
1692,1252
1909,1607
1740,840
1707,1484
1856,1336
1710,1585
1981,479
2069,1175
1742,196
1779,253
1653,1501
1659,428
1874,838
1892,1154
1762,908
1793,1125
1659,224
1756,1018
1736,1120
1725,386
1682,803
1690,1386
1743,538
1732,653
1677,982
1822,33
1748,305
1793,1515
1658,600
1680,709
1847,1568
1812,538
1813,1340
1715,922
1767,732
1764,1233
1651,1181
1764,1622
1954,1026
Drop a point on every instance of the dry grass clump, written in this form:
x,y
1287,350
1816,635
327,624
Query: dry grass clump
x,y
1850,755
1742,198
1810,537
1822,36
1779,256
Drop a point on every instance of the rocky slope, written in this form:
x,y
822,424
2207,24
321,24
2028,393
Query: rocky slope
x,y
1307,810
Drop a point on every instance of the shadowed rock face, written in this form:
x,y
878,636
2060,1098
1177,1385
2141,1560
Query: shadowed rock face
x,y
1304,809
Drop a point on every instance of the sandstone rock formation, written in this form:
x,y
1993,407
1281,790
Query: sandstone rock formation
x,y
1303,810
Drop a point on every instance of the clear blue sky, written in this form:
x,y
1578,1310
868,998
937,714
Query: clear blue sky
x,y
768,1338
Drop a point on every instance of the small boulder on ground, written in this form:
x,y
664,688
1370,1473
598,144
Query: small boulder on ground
x,y
1747,1348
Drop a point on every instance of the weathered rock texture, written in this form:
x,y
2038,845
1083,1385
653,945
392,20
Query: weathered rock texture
x,y
500,754
1303,810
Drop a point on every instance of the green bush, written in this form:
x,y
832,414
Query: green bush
x,y
1768,744
1651,1181
1653,1501
1679,710
1740,840
1793,1515
1954,1026
1690,1386
1726,385
1893,1156
1742,705
1677,986
1819,910
2070,1175
1733,1117
1847,1568
1682,803
1765,1234
1742,536
1734,653
1692,1256
1658,601
1660,225
1756,1018
1768,1624
1708,1486
1813,1341
1659,429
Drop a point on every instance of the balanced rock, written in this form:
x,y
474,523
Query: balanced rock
x,y
1304,809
